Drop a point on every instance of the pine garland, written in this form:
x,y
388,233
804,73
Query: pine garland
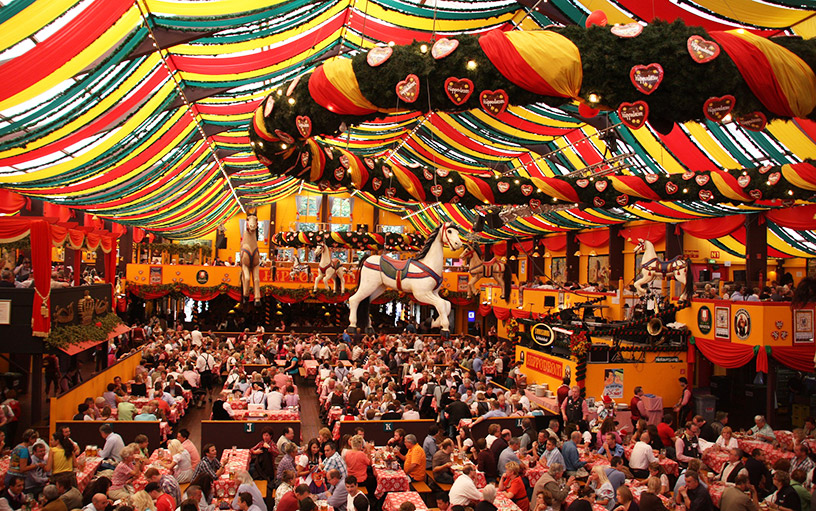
x,y
177,248
63,336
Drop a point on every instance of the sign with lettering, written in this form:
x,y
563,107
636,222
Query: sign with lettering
x,y
542,334
388,426
667,360
704,320
249,427
544,365
722,323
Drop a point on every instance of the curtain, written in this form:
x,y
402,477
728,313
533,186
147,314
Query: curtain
x,y
520,313
709,228
15,229
11,203
525,247
501,313
138,235
800,218
499,249
799,358
61,213
724,353
651,232
556,243
595,238
484,309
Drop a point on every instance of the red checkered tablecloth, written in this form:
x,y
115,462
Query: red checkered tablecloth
x,y
311,367
785,439
394,499
157,459
5,461
234,460
391,481
534,473
715,459
572,497
639,489
335,412
503,503
478,478
89,468
716,489
771,453
238,404
272,415
670,466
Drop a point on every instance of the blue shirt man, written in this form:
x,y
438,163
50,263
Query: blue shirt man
x,y
569,450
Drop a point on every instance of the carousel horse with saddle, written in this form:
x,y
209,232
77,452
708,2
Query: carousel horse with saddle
x,y
479,269
651,266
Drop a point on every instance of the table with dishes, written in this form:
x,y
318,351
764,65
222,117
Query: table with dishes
x,y
390,477
785,439
773,454
503,503
159,459
535,471
311,367
638,489
460,461
716,489
715,459
670,466
272,415
233,460
394,500
86,469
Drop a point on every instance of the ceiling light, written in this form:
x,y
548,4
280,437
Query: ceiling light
x,y
471,64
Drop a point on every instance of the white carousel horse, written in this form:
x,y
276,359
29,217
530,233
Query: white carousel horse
x,y
478,269
651,267
251,259
327,269
298,266
420,275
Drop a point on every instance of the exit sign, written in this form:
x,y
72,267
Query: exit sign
x,y
715,254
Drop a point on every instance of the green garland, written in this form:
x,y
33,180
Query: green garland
x,y
63,336
23,244
177,248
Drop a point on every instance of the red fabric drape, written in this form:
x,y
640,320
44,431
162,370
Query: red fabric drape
x,y
13,229
556,243
762,359
333,299
499,249
525,247
651,232
520,313
484,309
200,295
800,218
11,203
799,358
512,65
501,313
595,238
63,213
138,235
118,230
724,353
709,228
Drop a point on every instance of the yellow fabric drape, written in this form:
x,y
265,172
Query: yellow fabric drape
x,y
553,57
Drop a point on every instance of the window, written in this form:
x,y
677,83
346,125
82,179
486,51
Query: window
x,y
341,207
392,228
308,226
308,206
340,255
341,227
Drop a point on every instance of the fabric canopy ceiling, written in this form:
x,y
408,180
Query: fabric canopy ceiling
x,y
137,111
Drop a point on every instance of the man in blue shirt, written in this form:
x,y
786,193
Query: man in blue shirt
x,y
611,447
509,455
495,411
477,363
615,473
551,453
569,450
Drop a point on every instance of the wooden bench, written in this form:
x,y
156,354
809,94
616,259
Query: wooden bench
x,y
442,486
421,487
302,371
261,484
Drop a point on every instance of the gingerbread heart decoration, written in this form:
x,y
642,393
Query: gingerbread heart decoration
x,y
263,159
304,159
329,152
386,170
285,137
622,200
706,195
436,190
646,79
390,192
535,204
323,186
408,89
701,50
443,47
379,55
442,172
774,178
651,178
601,185
779,325
702,179
671,188
503,186
783,334
775,335
598,202
765,168
270,104
755,194
369,163
494,102
755,121
583,183
744,181
459,90
428,174
627,30
526,190
292,86
689,174
454,200
376,183
339,172
715,109
344,161
460,190
634,114
303,125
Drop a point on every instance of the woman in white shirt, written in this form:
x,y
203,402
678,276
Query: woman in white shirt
x,y
604,491
727,440
181,466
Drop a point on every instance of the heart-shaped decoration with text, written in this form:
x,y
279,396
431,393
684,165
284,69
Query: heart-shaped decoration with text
x,y
622,200
774,178
755,121
601,185
459,90
270,104
436,190
442,172
583,183
783,334
744,181
376,183
503,186
526,190
706,195
460,190
454,200
716,109
775,335
689,174
598,202
627,30
329,152
339,172
377,56
634,114
263,159
494,102
535,204
428,174
304,159
702,179
408,89
386,170
702,51
344,160
779,325
285,137
443,47
323,186
755,194
390,192
651,178
304,125
369,163
671,188
646,79
765,168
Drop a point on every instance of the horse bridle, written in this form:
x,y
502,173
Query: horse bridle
x,y
445,228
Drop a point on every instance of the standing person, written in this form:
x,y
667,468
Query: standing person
x,y
637,407
52,374
205,365
574,409
563,391
683,406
